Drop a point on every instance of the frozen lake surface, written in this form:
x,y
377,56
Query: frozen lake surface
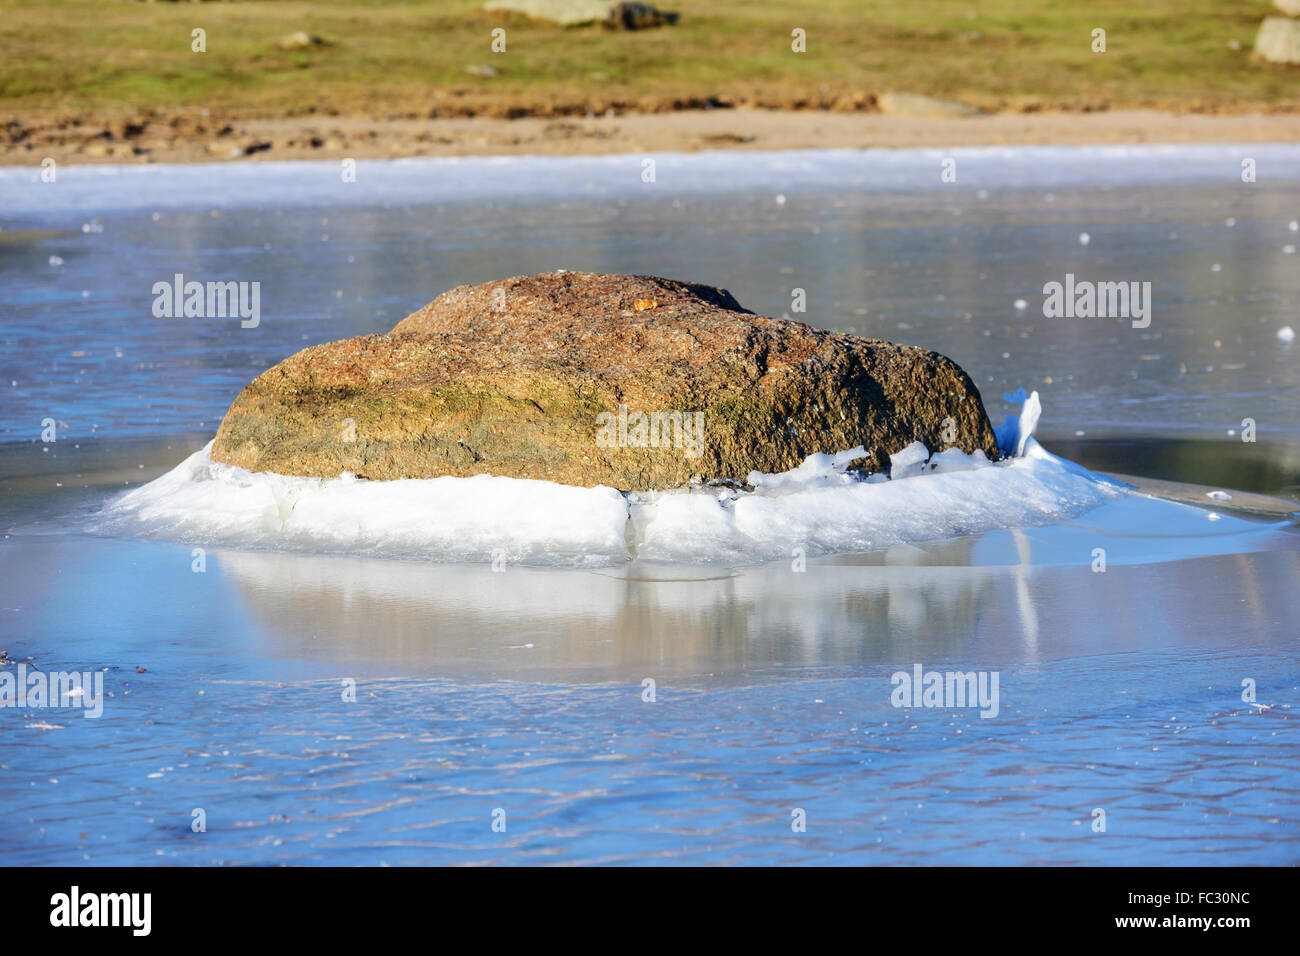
x,y
520,692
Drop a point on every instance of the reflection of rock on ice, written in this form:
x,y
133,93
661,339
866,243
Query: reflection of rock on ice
x,y
816,508
1024,603
334,607
892,607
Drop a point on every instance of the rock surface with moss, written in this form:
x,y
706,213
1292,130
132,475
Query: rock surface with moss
x,y
548,377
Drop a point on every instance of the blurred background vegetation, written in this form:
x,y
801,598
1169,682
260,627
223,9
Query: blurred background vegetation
x,y
417,59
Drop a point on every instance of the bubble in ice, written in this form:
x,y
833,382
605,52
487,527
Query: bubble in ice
x,y
1286,335
1084,238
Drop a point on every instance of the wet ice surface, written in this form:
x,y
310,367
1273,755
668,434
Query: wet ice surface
x,y
880,248
708,773
478,690
522,689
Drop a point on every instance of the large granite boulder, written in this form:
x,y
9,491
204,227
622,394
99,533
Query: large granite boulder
x,y
634,382
569,13
1278,40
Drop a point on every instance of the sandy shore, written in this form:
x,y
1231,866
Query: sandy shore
x,y
195,137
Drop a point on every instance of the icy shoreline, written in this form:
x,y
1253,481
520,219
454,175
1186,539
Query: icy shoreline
x,y
518,179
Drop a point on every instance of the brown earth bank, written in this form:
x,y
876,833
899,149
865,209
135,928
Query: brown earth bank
x,y
633,382
179,136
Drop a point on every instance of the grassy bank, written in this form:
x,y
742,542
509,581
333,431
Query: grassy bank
x,y
410,59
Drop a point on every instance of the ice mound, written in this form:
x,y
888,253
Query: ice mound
x,y
483,518
823,511
816,508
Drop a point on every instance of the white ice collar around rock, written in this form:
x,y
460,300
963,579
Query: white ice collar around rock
x,y
816,508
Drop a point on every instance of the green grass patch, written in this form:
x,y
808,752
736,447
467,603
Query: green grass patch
x,y
410,58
